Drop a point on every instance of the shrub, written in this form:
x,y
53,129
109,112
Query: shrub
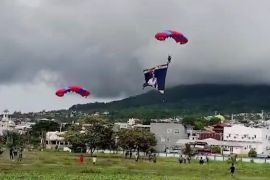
x,y
252,153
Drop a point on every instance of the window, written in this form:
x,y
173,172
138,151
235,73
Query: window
x,y
162,139
254,136
169,131
176,131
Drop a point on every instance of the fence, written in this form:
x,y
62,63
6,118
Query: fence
x,y
210,157
219,158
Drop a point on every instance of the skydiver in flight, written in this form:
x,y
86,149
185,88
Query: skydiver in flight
x,y
169,59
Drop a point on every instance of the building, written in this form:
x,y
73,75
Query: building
x,y
219,128
142,126
216,132
23,128
6,123
54,139
209,134
167,135
248,138
133,121
118,126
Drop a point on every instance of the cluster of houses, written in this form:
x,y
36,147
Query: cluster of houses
x,y
171,136
17,125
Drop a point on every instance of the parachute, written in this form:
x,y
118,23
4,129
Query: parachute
x,y
177,36
77,89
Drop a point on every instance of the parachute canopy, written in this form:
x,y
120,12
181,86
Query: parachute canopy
x,y
177,36
77,89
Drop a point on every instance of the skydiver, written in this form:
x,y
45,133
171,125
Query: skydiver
x,y
169,59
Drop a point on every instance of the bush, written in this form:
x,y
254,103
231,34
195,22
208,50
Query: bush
x,y
216,149
252,153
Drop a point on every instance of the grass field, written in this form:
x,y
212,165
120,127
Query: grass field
x,y
61,165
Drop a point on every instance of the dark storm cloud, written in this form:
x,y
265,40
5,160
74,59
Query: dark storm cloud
x,y
105,45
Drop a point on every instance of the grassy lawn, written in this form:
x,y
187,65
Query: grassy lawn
x,y
61,165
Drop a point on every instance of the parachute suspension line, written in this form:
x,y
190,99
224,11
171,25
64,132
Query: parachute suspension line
x,y
168,62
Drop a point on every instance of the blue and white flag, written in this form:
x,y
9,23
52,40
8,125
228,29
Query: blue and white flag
x,y
156,77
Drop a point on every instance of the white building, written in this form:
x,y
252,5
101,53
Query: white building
x,y
54,139
130,124
248,138
121,125
133,121
24,127
6,123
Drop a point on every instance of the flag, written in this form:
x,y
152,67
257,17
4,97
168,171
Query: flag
x,y
156,77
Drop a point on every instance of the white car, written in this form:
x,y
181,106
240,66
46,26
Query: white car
x,y
67,149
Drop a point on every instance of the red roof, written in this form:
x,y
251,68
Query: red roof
x,y
222,125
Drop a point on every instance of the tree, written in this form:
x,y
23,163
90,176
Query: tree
x,y
38,131
45,126
214,120
92,119
13,139
197,122
190,120
98,136
97,133
136,139
76,138
199,125
187,151
252,153
215,149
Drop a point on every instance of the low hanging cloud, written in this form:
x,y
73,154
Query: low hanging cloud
x,y
104,45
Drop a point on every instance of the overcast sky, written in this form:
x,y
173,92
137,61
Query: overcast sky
x,y
104,45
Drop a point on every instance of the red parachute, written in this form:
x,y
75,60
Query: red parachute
x,y
77,89
177,36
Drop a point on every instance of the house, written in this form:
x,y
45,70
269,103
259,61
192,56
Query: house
x,y
54,139
131,123
209,134
219,128
142,126
215,132
23,128
118,126
248,138
203,146
167,134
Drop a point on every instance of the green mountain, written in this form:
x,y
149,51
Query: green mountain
x,y
187,99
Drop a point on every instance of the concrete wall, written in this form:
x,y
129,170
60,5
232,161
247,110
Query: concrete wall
x,y
167,134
